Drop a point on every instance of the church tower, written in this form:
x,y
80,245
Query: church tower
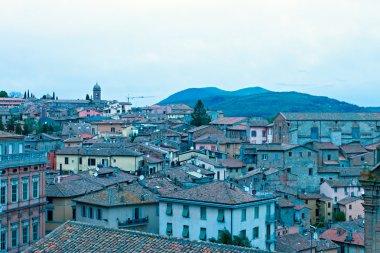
x,y
370,181
97,93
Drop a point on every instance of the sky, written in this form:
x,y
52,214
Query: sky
x,y
158,47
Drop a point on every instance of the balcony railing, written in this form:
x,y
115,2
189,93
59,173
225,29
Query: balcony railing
x,y
270,218
23,159
134,222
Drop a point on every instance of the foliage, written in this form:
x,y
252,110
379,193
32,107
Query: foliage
x,y
3,94
87,97
339,216
199,116
29,126
18,129
226,238
11,124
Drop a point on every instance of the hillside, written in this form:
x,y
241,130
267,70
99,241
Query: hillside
x,y
260,102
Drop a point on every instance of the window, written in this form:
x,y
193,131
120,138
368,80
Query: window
x,y
3,238
50,215
329,204
309,154
112,130
3,193
36,184
335,189
329,157
243,233
243,214
220,215
306,202
66,160
253,133
25,188
265,156
203,213
314,133
185,231
99,214
301,154
276,157
80,160
185,211
264,133
336,199
289,170
169,210
290,154
355,132
10,149
84,211
14,235
25,232
90,213
350,207
202,234
35,229
74,209
91,162
255,233
303,216
256,212
20,148
169,229
14,190
310,171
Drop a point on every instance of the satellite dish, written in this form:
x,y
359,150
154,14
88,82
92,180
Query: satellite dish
x,y
141,177
95,174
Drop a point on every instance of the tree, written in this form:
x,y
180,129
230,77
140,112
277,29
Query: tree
x,y
53,95
45,128
11,124
28,94
241,240
199,115
28,126
339,216
15,94
18,128
3,94
225,237
87,97
25,95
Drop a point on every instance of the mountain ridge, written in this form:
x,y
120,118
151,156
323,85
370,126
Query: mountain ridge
x,y
257,101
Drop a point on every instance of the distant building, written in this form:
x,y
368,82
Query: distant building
x,y
97,92
338,128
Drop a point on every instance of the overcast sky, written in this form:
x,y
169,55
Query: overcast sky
x,y
158,47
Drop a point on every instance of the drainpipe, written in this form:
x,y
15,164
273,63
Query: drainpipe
x,y
232,235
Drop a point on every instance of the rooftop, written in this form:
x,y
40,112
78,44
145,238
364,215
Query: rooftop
x,y
78,237
325,116
228,120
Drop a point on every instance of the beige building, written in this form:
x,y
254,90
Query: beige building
x,y
82,159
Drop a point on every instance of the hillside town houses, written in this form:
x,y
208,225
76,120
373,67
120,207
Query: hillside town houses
x,y
301,182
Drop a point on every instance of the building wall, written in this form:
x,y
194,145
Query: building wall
x,y
125,163
62,209
259,138
232,222
355,212
111,216
341,192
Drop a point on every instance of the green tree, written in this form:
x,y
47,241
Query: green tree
x,y
18,128
227,238
25,95
199,115
53,95
87,97
241,240
339,216
11,124
28,126
3,94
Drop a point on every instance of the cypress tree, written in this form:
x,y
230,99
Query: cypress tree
x,y
199,115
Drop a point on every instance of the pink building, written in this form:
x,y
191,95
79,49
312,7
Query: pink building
x,y
89,113
22,194
352,207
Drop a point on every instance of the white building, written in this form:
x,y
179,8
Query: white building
x,y
203,212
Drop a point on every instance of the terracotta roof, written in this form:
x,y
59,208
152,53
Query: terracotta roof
x,y
349,200
353,148
343,183
79,237
227,120
309,196
91,151
328,116
325,146
340,235
271,147
10,135
284,203
232,163
216,192
130,194
291,243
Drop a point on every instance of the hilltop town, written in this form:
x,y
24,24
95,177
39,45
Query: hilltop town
x,y
173,177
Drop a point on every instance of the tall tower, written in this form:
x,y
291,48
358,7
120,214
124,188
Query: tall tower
x,y
370,181
97,92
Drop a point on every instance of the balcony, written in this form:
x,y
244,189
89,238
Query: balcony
x,y
133,223
270,218
23,159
